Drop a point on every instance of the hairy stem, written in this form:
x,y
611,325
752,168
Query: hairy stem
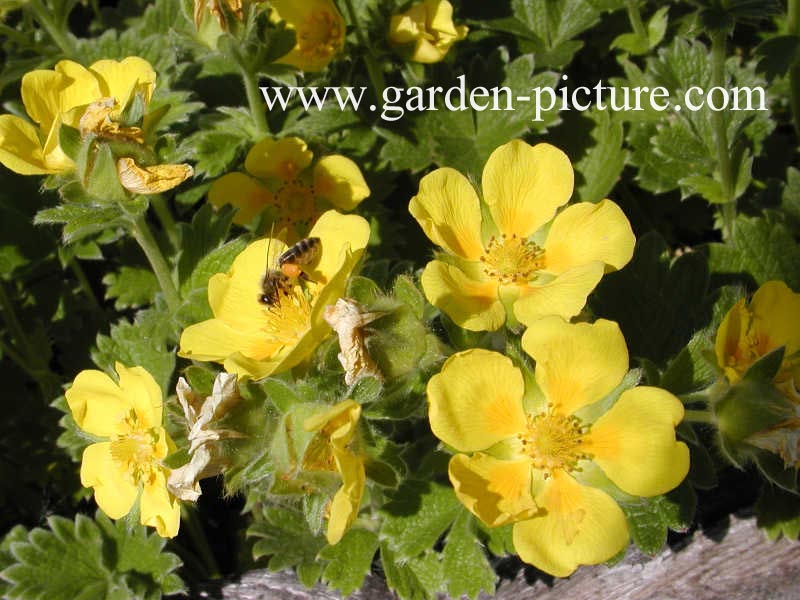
x,y
142,234
255,101
161,209
718,48
45,18
635,17
373,67
698,416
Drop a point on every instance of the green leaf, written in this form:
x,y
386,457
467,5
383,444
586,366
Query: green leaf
x,y
416,515
418,578
602,166
283,535
350,560
658,302
85,559
778,513
778,54
763,249
131,287
81,220
464,561
141,343
650,518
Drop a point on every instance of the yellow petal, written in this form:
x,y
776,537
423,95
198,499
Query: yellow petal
x,y
143,393
122,79
580,526
473,305
776,309
320,32
587,232
448,210
523,186
496,491
242,192
113,490
403,29
634,442
159,508
20,148
440,17
731,331
347,500
343,237
476,400
282,159
49,94
564,296
576,364
338,180
151,180
345,413
97,403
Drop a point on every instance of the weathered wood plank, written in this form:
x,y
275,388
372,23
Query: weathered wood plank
x,y
733,561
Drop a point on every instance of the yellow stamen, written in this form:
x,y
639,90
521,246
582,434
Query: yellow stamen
x,y
136,450
289,318
553,441
295,206
320,36
512,259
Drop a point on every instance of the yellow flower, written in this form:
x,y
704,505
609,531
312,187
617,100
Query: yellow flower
x,y
280,180
753,329
426,30
319,28
330,450
519,261
254,340
129,463
63,95
543,458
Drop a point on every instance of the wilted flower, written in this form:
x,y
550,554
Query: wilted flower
x,y
523,263
319,28
129,464
539,460
281,182
348,319
330,450
201,416
63,95
253,339
426,31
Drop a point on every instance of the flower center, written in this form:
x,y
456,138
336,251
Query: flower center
x,y
289,318
136,451
296,208
553,441
320,36
512,259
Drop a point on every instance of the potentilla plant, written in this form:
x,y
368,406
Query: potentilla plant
x,y
286,328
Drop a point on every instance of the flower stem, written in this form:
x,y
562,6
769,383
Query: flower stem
x,y
699,416
718,49
142,234
793,27
83,281
373,68
635,17
255,101
200,541
165,217
45,18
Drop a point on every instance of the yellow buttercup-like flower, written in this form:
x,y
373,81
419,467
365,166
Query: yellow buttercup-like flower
x,y
330,450
281,182
753,329
426,31
63,95
520,261
544,459
319,28
129,463
253,339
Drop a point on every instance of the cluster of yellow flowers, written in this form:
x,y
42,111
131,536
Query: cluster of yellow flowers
x,y
551,455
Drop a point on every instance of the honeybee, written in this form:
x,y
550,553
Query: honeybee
x,y
289,265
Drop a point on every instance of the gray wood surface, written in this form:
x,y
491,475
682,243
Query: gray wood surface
x,y
732,561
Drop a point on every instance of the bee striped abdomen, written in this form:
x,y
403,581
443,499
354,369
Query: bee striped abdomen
x,y
303,252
